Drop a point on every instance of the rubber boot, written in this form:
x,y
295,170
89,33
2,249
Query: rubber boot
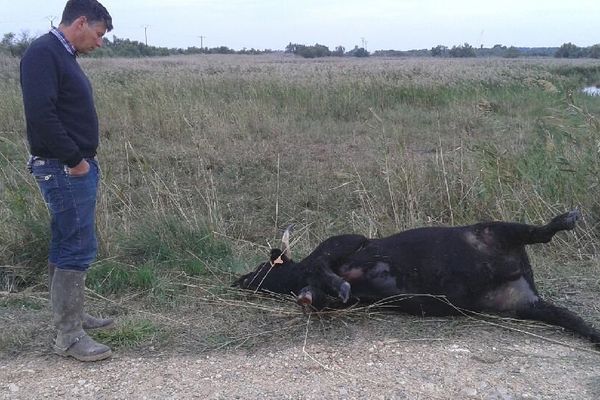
x,y
87,321
67,304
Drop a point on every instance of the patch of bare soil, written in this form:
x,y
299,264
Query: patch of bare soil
x,y
381,356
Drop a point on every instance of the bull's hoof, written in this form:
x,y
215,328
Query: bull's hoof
x,y
344,292
305,298
567,221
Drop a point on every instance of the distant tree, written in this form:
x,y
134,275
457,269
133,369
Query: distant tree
x,y
569,50
439,51
6,43
318,50
220,50
401,53
15,46
339,51
497,50
8,39
251,51
129,48
538,51
321,50
291,48
511,52
465,50
594,51
304,51
119,47
358,52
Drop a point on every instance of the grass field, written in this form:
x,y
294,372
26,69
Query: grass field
x,y
206,158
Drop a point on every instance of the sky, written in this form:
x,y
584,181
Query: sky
x,y
375,24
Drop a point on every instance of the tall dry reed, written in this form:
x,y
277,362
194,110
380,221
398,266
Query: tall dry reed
x,y
236,147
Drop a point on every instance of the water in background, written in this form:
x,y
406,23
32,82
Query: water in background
x,y
591,90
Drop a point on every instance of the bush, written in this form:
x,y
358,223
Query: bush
x,y
358,52
439,51
15,46
318,50
465,50
569,50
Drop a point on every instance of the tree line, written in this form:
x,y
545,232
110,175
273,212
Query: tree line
x,y
319,50
567,50
15,45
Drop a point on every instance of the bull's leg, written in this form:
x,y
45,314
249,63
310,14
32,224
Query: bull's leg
x,y
311,298
521,234
549,313
330,282
318,265
563,222
315,298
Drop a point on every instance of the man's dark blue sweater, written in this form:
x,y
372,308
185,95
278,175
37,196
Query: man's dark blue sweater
x,y
59,105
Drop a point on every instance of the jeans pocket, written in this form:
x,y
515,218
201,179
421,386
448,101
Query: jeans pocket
x,y
45,179
79,175
48,182
93,168
84,187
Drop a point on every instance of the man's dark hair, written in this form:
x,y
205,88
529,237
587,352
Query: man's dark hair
x,y
91,9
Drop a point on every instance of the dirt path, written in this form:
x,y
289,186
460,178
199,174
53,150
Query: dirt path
x,y
246,346
494,364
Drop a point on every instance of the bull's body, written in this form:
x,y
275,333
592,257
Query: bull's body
x,y
427,271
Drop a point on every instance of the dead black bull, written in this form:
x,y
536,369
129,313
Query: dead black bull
x,y
429,271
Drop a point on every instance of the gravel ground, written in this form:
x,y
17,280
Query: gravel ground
x,y
494,364
253,347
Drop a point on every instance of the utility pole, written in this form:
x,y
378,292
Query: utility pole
x,y
202,41
364,43
146,33
51,18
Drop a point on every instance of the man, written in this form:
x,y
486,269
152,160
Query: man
x,y
62,132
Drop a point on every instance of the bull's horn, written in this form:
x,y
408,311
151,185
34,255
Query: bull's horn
x,y
285,242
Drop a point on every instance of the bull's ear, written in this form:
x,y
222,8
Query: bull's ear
x,y
277,258
285,243
275,254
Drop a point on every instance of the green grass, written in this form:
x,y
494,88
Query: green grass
x,y
23,303
109,277
154,252
129,334
206,158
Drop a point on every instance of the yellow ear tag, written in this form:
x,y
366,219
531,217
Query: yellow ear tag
x,y
276,262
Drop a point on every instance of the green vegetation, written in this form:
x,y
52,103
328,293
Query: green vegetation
x,y
569,50
465,50
23,303
129,334
318,50
206,158
15,45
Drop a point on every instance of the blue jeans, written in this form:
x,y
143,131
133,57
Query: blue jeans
x,y
71,201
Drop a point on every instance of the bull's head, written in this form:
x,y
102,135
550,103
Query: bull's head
x,y
273,274
282,275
